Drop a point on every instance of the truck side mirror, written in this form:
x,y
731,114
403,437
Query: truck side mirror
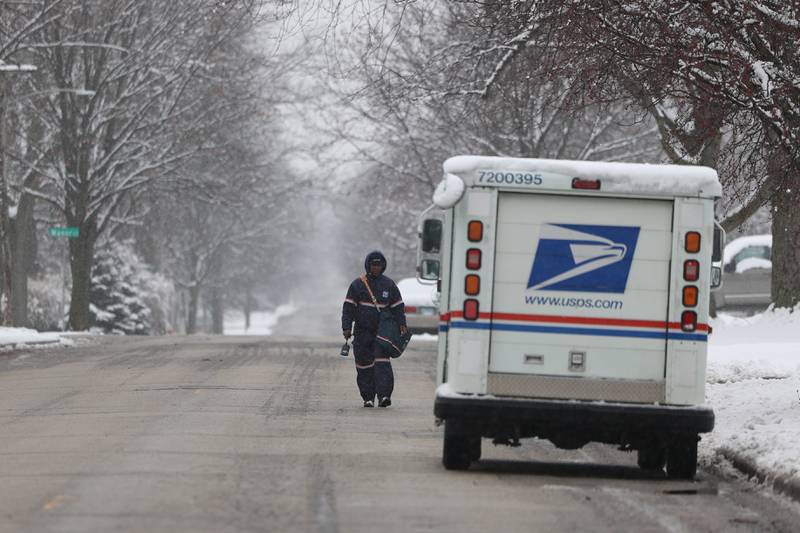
x,y
717,256
431,236
429,269
719,238
429,247
716,277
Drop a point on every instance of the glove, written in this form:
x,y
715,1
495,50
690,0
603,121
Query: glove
x,y
346,334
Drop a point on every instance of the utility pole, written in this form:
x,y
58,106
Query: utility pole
x,y
5,215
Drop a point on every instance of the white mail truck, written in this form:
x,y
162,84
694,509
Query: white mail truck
x,y
574,305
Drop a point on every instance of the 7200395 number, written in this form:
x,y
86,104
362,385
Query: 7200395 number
x,y
509,178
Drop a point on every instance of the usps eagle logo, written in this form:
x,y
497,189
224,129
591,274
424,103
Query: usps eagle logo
x,y
583,258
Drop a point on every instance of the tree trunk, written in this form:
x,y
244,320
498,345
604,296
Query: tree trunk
x,y
191,319
248,306
5,223
786,243
81,252
217,311
23,256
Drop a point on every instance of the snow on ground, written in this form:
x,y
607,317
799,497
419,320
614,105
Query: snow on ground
x,y
261,322
16,337
753,385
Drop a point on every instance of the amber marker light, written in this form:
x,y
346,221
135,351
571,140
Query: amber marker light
x,y
690,294
475,230
692,242
472,284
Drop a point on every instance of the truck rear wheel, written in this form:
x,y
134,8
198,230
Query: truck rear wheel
x,y
459,448
682,459
652,458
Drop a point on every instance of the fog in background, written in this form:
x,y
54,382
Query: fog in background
x,y
343,210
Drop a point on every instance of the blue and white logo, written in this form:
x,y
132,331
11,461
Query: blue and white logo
x,y
582,258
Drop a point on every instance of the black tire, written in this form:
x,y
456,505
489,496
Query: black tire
x,y
474,444
652,458
682,459
457,452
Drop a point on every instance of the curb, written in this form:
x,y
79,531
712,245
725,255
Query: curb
x,y
22,344
786,485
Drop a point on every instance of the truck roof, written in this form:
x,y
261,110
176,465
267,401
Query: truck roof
x,y
627,178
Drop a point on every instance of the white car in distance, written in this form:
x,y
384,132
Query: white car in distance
x,y
421,303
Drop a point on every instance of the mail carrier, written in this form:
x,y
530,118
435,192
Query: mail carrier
x,y
574,305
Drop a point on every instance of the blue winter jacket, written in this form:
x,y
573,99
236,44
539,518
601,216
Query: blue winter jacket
x,y
358,306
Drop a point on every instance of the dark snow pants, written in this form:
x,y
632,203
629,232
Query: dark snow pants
x,y
373,369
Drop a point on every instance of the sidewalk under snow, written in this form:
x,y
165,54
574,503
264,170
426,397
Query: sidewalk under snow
x,y
753,385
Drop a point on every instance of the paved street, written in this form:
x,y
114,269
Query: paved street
x,y
268,434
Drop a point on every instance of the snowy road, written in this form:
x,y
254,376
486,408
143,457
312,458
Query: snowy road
x,y
267,434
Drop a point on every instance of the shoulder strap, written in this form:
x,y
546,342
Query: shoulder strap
x,y
369,290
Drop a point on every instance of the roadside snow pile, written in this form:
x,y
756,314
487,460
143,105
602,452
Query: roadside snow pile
x,y
261,322
764,346
753,384
23,336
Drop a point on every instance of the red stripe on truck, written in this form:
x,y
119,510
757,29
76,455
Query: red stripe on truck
x,y
553,319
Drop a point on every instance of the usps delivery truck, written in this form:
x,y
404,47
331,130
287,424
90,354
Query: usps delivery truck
x,y
574,305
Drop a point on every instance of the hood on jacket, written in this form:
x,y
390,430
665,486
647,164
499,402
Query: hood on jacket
x,y
375,255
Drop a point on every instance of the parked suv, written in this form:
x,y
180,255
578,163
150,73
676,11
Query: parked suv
x,y
422,309
747,278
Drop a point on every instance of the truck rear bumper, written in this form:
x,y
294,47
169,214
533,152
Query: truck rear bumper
x,y
586,416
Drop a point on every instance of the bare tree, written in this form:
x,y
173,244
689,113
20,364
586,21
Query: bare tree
x,y
19,21
703,70
416,106
139,62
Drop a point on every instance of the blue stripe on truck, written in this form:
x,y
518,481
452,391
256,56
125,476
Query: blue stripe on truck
x,y
663,335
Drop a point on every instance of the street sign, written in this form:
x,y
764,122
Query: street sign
x,y
72,233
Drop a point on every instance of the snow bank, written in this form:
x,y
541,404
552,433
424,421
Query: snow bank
x,y
764,346
24,336
753,384
261,322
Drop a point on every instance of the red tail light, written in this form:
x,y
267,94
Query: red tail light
x,y
691,270
471,309
593,185
688,321
473,259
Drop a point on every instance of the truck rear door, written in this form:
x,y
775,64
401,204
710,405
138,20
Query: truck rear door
x,y
580,299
